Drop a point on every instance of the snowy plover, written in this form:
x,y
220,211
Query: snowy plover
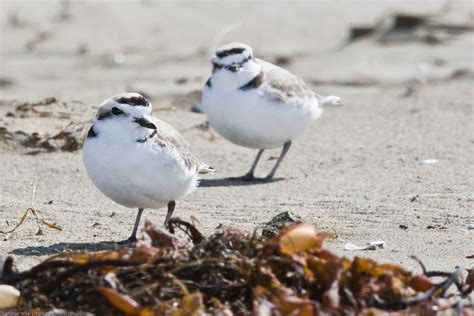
x,y
137,160
256,104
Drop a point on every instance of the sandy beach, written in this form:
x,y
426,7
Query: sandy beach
x,y
395,163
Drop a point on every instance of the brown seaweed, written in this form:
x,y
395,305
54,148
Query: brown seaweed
x,y
231,272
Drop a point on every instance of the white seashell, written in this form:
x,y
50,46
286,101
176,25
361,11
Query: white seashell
x,y
9,296
368,246
429,161
331,100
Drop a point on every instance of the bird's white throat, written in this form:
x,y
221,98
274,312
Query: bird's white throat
x,y
227,80
122,129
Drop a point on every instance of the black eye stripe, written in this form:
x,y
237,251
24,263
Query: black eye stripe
x,y
103,116
112,112
232,67
228,52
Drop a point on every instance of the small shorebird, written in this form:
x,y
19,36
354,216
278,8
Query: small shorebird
x,y
138,160
256,104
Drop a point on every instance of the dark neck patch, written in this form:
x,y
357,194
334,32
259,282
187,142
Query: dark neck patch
x,y
133,101
144,139
208,83
92,133
228,52
254,83
143,122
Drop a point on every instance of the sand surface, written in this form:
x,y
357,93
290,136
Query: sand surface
x,y
394,163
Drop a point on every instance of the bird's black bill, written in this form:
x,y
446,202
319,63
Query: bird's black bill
x,y
144,122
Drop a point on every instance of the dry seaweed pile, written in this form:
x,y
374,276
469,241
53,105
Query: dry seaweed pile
x,y
401,27
231,272
65,132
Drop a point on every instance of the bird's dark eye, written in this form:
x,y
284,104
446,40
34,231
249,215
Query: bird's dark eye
x,y
116,111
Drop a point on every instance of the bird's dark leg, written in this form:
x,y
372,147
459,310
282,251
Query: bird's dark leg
x,y
249,176
171,206
133,237
285,149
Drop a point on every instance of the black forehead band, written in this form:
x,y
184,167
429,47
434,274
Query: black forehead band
x,y
229,52
133,101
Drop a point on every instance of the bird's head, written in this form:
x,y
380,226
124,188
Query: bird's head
x,y
232,56
233,66
124,115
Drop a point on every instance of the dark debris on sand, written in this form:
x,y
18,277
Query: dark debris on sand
x,y
231,272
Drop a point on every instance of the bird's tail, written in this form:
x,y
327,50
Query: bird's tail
x,y
330,100
203,169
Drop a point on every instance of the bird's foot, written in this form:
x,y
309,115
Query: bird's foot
x,y
252,178
267,179
249,177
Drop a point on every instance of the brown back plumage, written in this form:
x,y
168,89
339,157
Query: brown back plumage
x,y
168,136
283,85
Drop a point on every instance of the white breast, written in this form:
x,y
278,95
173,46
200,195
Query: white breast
x,y
139,175
251,119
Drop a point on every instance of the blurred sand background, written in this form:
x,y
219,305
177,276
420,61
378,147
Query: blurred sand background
x,y
357,173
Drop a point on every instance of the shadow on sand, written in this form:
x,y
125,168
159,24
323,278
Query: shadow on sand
x,y
234,182
62,246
